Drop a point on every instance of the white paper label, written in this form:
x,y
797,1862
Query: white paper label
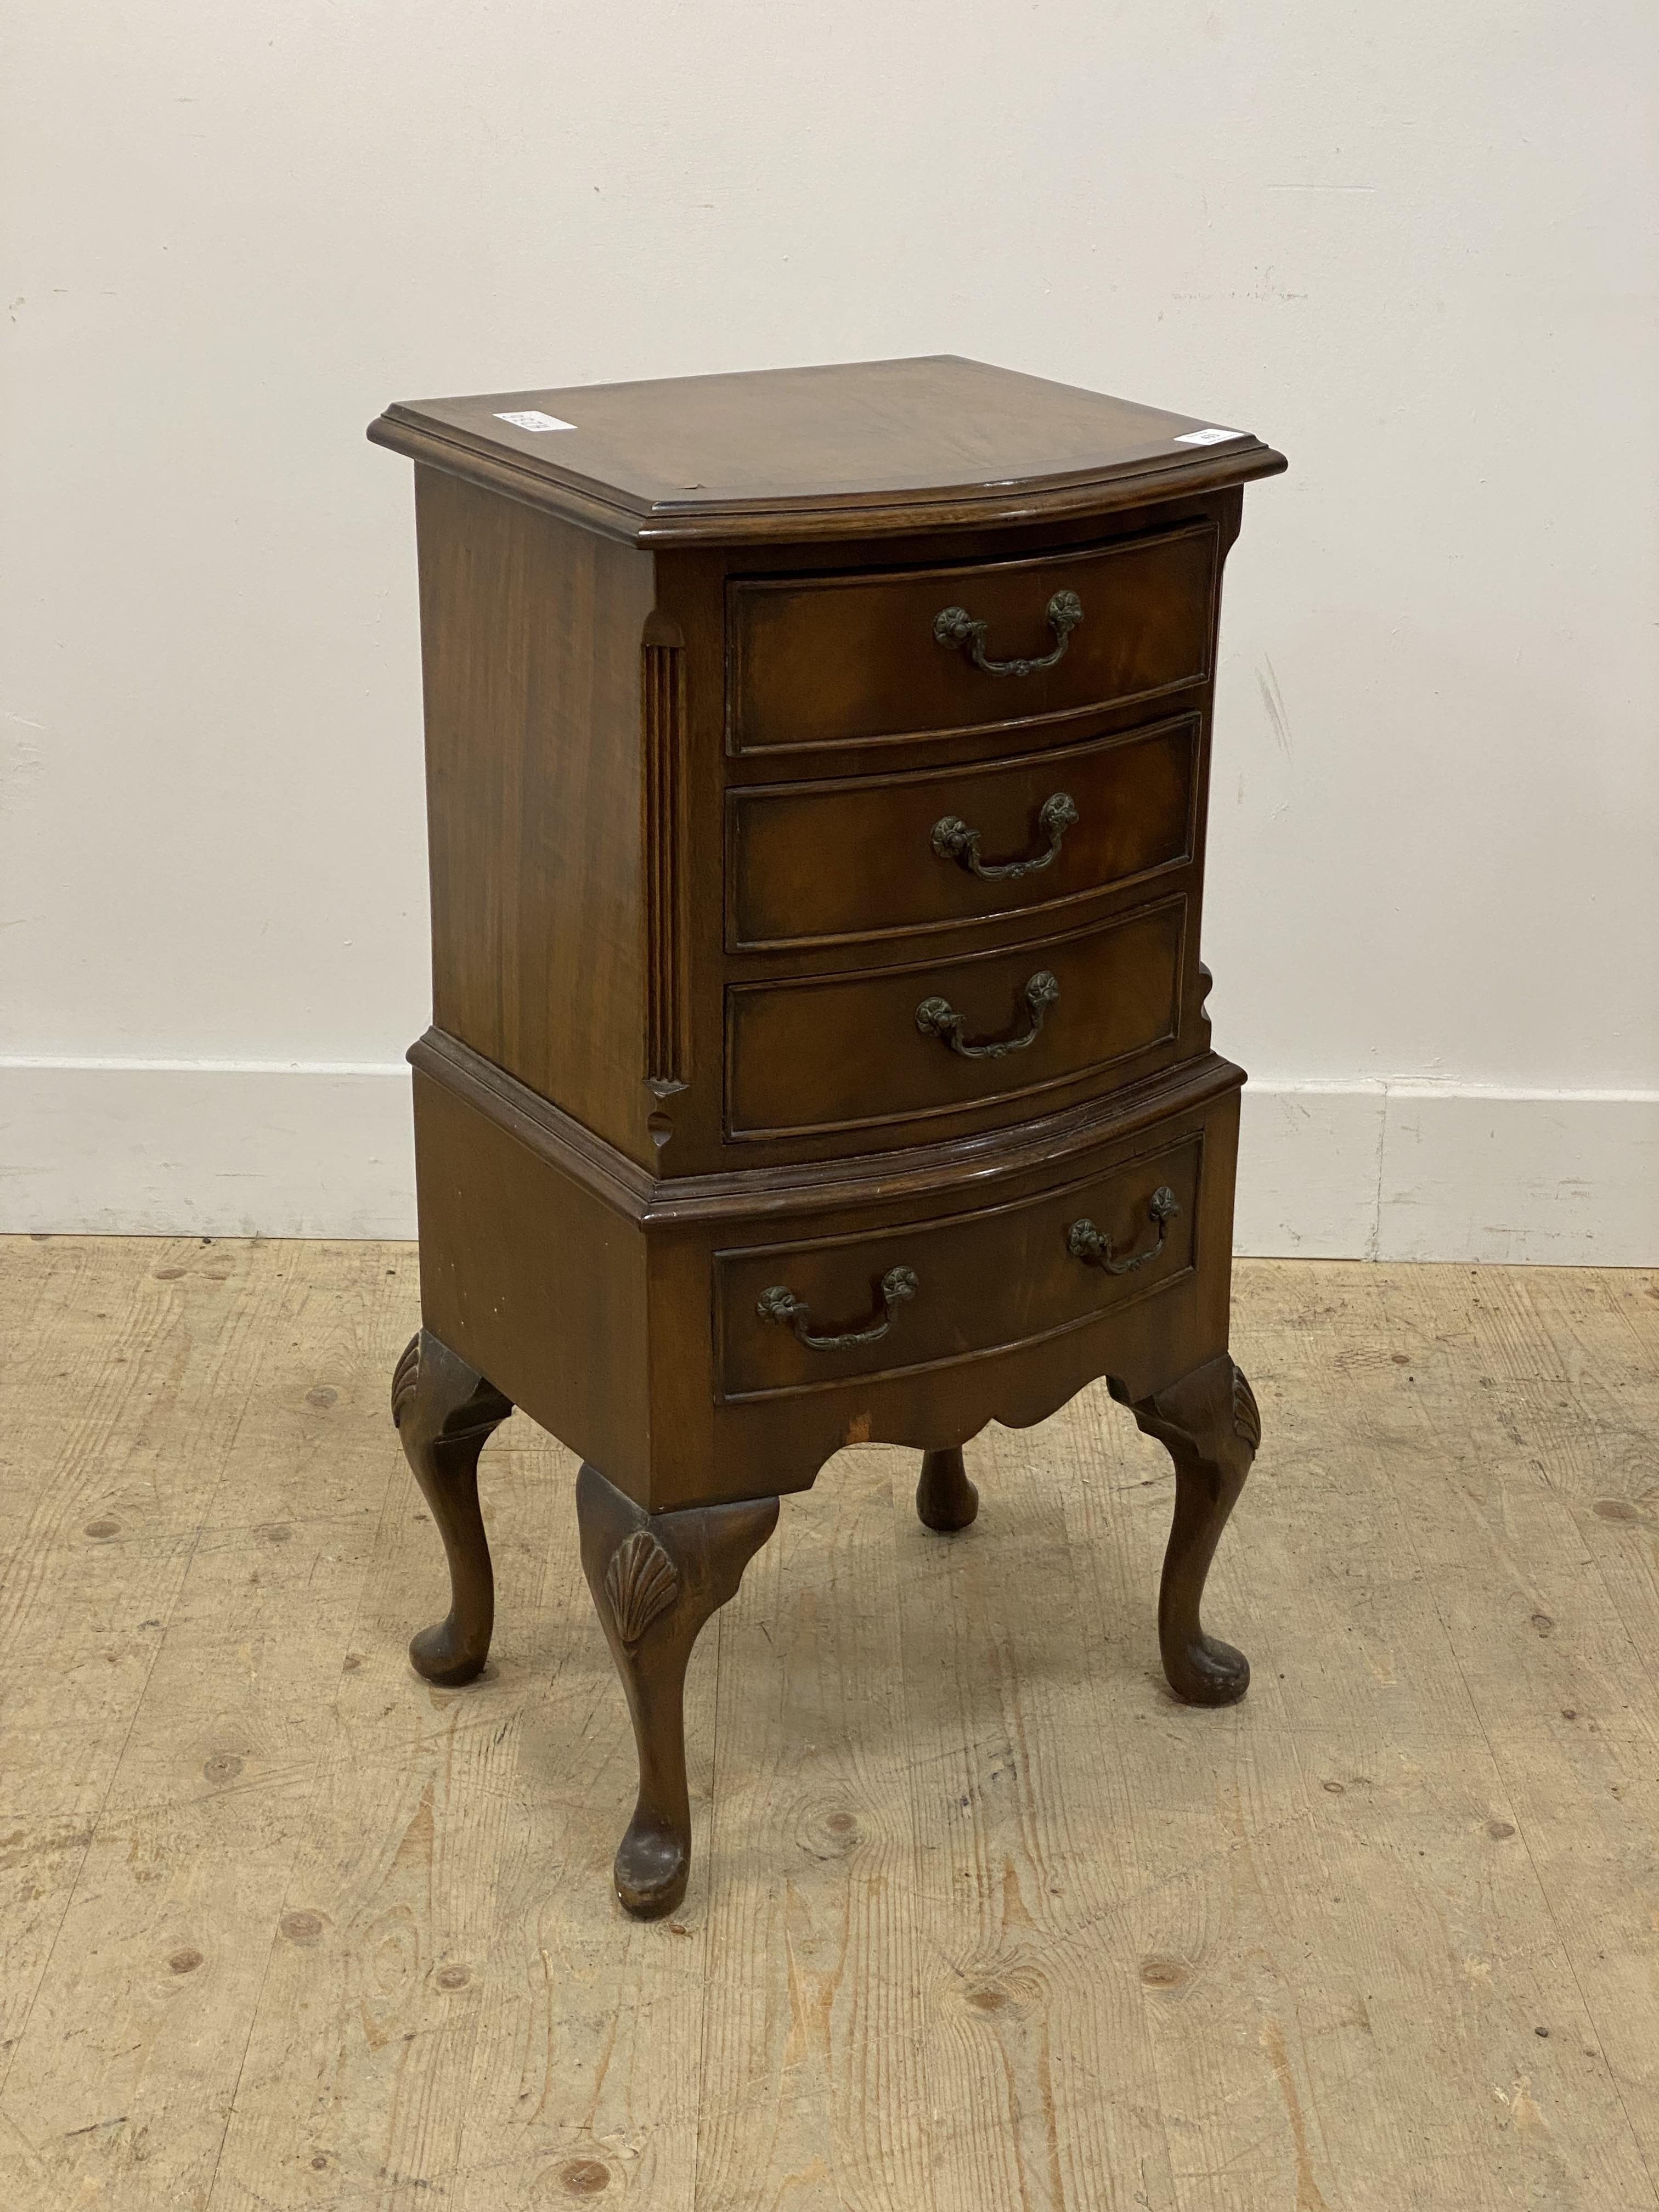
x,y
531,418
1187,437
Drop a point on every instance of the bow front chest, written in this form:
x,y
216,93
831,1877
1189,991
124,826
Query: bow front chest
x,y
816,766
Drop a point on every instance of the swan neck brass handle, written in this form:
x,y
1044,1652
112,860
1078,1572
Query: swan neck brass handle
x,y
953,840
956,628
938,1018
782,1305
1086,1242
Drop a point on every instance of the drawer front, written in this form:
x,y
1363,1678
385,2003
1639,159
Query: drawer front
x,y
866,661
817,863
852,1051
808,1316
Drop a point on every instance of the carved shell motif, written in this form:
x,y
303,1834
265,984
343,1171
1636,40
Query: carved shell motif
x,y
641,1582
1247,1421
405,1380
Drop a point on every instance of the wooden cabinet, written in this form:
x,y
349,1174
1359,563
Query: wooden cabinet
x,y
817,765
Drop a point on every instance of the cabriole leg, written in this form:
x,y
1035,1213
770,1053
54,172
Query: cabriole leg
x,y
445,1414
1209,1424
656,1579
945,1499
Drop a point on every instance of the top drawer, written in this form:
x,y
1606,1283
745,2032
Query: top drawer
x,y
910,654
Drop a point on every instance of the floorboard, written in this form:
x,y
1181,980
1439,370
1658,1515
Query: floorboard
x,y
982,1920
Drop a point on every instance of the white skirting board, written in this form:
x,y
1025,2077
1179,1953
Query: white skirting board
x,y
1380,1171
1441,1171
209,1149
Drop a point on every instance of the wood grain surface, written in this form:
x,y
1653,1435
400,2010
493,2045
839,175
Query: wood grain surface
x,y
531,655
983,1917
880,676
851,859
771,454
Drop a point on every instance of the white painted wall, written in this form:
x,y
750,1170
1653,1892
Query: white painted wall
x,y
1413,246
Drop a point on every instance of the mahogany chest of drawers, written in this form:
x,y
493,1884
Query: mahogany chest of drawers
x,y
816,766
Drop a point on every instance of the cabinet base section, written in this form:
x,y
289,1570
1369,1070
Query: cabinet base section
x,y
709,1338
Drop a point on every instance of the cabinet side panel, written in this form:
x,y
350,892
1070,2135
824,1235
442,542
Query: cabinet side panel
x,y
531,643
535,1281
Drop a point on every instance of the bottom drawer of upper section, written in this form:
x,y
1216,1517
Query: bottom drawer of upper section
x,y
807,1057
811,1315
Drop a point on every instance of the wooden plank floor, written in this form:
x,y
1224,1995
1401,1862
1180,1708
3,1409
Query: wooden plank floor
x,y
982,1917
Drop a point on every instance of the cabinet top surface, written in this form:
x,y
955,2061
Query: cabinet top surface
x,y
854,447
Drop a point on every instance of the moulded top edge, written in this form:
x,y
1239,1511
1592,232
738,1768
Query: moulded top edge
x,y
851,448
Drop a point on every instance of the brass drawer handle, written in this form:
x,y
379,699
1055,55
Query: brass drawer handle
x,y
1084,1241
954,840
955,626
938,1018
781,1305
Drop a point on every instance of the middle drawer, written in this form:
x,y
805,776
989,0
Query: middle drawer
x,y
873,856
812,1056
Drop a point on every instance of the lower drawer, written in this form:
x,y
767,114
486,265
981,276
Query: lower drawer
x,y
805,1317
